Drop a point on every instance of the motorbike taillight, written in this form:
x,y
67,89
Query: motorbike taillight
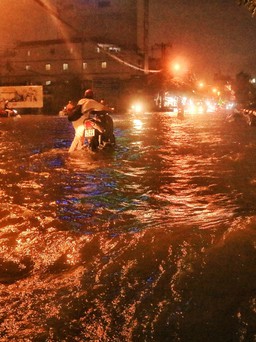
x,y
88,124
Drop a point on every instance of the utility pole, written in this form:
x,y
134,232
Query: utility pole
x,y
146,29
163,50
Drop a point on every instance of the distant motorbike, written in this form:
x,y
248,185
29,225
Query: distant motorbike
x,y
99,131
66,109
63,112
8,113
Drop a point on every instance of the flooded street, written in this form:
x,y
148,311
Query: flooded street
x,y
154,241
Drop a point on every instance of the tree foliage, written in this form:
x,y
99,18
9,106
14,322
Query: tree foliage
x,y
250,4
244,89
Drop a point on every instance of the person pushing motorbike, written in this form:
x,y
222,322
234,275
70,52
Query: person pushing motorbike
x,y
81,112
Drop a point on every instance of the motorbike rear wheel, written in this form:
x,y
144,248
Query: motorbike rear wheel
x,y
93,144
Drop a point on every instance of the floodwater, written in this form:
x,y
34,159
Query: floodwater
x,y
153,241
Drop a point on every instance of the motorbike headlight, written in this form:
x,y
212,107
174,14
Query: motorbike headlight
x,y
137,107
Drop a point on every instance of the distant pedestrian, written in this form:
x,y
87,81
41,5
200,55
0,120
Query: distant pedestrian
x,y
69,106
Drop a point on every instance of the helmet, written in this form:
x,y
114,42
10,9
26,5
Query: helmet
x,y
88,94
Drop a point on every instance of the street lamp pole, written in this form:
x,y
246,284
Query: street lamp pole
x,y
146,31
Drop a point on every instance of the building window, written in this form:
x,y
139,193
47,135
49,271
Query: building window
x,y
109,47
28,53
48,66
103,65
48,82
84,65
65,66
27,67
114,49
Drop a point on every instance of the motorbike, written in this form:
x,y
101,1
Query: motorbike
x,y
63,112
99,131
8,113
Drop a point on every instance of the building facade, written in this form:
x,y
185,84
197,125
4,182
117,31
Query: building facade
x,y
95,43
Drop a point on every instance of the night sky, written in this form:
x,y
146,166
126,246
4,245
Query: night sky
x,y
211,36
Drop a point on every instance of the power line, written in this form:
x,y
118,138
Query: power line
x,y
126,63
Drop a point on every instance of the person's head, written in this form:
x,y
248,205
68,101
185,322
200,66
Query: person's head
x,y
88,94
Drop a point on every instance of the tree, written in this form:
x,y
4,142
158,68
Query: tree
x,y
244,89
250,4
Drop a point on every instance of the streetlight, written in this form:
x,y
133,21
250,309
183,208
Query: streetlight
x,y
179,67
201,84
176,67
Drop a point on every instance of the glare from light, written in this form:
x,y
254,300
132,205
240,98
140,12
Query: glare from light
x,y
137,123
211,106
137,107
177,67
230,105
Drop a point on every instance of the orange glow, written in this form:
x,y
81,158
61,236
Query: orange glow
x,y
179,66
176,67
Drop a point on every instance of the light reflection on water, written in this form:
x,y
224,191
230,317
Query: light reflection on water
x,y
154,241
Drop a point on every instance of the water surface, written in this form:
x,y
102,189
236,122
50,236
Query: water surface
x,y
153,241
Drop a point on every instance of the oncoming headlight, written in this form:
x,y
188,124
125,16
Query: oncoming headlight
x,y
137,107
